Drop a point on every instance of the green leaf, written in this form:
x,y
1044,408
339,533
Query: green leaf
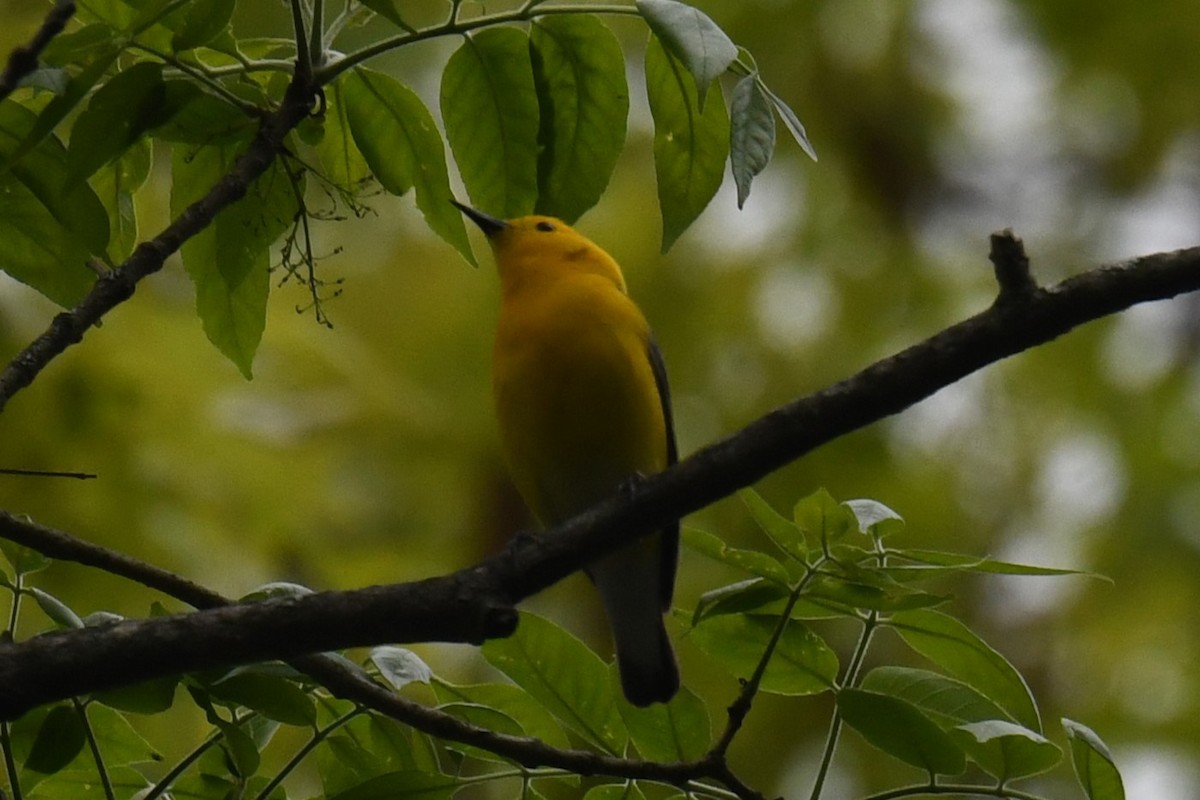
x,y
947,700
738,598
874,518
42,172
58,611
790,120
117,739
24,560
203,21
272,696
123,109
679,730
59,739
400,666
57,109
692,37
579,75
200,118
397,136
821,517
240,749
78,46
365,748
689,144
1006,750
84,784
514,702
958,650
490,107
402,786
115,185
1094,765
959,562
899,729
752,561
151,697
38,250
564,675
341,160
387,10
871,595
801,664
228,261
752,134
483,717
782,531
276,589
615,791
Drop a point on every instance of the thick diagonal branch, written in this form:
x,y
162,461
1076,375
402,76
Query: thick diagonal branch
x,y
476,603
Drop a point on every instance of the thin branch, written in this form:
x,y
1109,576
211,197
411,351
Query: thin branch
x,y
453,27
740,707
24,60
1012,265
43,473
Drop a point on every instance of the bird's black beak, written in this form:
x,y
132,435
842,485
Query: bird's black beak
x,y
487,223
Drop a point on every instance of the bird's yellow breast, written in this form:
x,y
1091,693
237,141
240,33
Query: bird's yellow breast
x,y
576,399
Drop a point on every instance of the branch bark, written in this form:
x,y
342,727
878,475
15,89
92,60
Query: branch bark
x,y
477,603
24,60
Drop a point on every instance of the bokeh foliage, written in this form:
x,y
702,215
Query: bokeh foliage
x,y
366,453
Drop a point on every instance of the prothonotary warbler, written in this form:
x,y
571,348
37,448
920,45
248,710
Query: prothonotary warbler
x,y
582,403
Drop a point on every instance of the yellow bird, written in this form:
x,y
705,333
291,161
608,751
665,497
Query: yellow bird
x,y
582,403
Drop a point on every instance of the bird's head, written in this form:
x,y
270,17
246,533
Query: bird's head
x,y
542,246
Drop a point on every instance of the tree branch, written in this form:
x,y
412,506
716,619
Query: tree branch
x,y
349,684
24,60
115,287
474,604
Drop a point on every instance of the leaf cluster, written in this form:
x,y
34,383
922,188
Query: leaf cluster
x,y
534,105
830,562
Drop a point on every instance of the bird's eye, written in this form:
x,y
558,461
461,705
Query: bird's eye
x,y
545,226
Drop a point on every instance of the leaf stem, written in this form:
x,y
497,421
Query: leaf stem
x,y
94,746
316,44
453,26
201,74
741,706
319,736
14,612
870,623
304,64
964,790
164,783
10,763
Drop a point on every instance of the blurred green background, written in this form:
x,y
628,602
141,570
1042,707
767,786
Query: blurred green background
x,y
367,453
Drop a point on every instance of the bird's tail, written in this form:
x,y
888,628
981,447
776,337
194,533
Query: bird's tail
x,y
628,582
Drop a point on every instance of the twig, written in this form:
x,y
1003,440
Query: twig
x,y
42,473
1012,265
24,59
